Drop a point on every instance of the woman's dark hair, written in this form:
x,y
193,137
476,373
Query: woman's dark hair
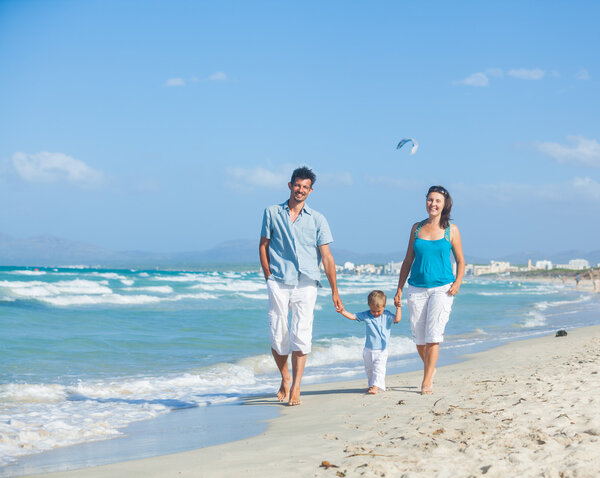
x,y
304,173
445,217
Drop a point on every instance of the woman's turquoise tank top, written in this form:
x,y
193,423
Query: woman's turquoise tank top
x,y
432,266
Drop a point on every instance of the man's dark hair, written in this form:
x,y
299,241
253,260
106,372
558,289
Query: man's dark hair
x,y
304,173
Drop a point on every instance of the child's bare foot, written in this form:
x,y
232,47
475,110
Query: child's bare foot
x,y
294,398
427,389
284,390
373,390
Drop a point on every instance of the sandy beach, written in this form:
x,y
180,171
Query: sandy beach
x,y
528,408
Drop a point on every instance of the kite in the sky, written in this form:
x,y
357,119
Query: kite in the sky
x,y
406,140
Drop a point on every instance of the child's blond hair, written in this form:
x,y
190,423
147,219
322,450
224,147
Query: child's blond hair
x,y
376,298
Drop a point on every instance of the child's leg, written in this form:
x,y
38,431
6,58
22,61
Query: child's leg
x,y
368,358
379,368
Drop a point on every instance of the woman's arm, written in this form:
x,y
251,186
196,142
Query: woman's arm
x,y
406,265
459,257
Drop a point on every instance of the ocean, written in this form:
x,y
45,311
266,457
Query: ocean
x,y
86,354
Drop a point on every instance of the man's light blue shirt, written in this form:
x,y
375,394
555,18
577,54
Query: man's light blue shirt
x,y
294,246
379,328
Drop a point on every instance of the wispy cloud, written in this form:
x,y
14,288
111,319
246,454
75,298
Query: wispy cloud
x,y
527,74
476,79
45,167
495,72
583,75
218,76
175,82
242,178
278,178
579,150
397,183
342,178
576,189
482,78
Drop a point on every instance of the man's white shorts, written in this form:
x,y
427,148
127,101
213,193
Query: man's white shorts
x,y
375,365
429,312
301,300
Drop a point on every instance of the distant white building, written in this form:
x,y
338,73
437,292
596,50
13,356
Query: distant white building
x,y
495,267
368,269
392,268
579,264
499,267
543,265
574,264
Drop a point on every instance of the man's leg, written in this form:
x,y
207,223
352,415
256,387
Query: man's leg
x,y
280,337
302,304
282,364
298,363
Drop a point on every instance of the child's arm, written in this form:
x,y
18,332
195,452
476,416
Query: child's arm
x,y
398,316
347,314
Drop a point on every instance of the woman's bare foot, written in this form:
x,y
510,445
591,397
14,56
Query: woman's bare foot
x,y
284,391
427,389
373,390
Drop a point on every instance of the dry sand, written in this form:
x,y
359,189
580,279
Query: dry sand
x,y
529,408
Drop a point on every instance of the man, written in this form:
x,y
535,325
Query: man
x,y
294,239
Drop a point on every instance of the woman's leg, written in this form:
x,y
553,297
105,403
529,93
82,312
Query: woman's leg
x,y
431,353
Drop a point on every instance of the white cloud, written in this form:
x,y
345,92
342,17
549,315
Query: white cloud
x,y
581,151
45,167
175,82
241,178
495,72
476,79
278,178
583,75
218,76
525,74
576,189
397,183
338,179
587,188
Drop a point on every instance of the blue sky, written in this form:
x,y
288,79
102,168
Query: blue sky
x,y
170,125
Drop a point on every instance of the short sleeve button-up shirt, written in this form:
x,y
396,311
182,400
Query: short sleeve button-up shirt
x,y
294,246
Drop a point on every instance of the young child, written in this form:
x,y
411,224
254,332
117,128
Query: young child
x,y
379,326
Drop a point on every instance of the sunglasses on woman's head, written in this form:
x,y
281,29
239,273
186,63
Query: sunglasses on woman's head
x,y
437,189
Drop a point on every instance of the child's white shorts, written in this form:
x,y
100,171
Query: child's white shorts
x,y
375,365
301,299
429,312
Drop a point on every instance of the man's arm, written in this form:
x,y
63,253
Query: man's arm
x,y
263,252
329,266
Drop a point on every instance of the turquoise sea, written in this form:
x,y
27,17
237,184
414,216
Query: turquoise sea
x,y
86,353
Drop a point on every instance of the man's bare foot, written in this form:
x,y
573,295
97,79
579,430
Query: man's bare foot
x,y
373,390
294,398
284,391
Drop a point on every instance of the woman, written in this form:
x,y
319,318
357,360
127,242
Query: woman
x,y
432,285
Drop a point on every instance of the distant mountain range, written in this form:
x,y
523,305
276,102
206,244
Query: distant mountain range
x,y
54,251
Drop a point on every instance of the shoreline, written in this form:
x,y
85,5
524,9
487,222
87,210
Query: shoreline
x,y
521,408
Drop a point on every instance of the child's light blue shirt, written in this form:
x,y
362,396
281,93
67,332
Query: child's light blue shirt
x,y
379,328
